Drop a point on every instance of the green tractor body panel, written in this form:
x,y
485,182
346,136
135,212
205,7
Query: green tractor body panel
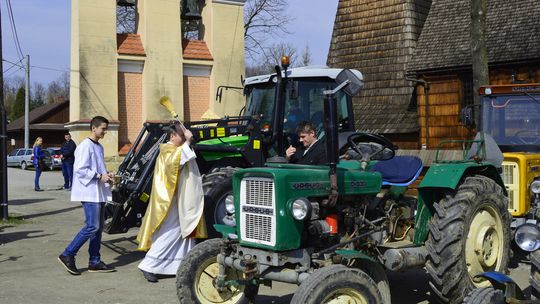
x,y
293,181
441,176
236,141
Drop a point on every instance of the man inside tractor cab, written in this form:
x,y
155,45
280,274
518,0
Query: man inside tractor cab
x,y
311,152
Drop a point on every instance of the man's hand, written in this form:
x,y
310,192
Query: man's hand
x,y
188,135
290,152
105,178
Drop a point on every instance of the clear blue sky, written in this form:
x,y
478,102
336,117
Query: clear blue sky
x,y
43,30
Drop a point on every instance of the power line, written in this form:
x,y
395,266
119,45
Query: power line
x,y
47,68
13,72
16,63
14,30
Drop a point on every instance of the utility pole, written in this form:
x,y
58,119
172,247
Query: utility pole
x,y
478,52
3,140
27,105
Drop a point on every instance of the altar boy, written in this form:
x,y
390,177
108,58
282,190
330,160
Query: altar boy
x,y
91,187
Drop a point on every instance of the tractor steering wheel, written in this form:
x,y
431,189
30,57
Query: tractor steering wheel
x,y
371,146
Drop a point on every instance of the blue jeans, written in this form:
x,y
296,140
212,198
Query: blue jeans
x,y
94,214
36,178
67,171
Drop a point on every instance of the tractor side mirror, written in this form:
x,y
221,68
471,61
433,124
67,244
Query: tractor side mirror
x,y
355,83
467,116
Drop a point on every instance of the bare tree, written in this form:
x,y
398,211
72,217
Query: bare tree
x,y
263,19
126,19
58,89
37,97
305,57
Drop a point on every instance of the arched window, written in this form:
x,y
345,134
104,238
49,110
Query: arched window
x,y
126,16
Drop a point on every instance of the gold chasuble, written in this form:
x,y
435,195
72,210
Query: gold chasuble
x,y
172,184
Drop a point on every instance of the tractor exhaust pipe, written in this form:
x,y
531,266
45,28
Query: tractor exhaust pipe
x,y
332,153
405,258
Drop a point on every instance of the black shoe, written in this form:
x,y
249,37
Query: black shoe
x,y
100,267
150,277
37,189
69,264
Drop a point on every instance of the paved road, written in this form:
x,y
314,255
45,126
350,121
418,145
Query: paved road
x,y
29,272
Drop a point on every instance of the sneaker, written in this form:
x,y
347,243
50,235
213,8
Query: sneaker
x,y
100,267
150,277
69,264
37,189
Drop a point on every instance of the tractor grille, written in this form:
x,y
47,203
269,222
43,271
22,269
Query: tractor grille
x,y
510,177
257,210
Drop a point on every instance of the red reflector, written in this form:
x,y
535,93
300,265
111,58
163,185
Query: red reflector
x,y
56,156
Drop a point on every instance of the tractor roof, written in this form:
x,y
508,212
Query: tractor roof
x,y
313,71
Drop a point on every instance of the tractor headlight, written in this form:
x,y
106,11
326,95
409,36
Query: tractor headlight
x,y
229,203
535,187
528,237
301,208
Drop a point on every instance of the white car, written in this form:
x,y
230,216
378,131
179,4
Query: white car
x,y
23,158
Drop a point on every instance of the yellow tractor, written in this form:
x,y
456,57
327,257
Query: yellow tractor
x,y
511,115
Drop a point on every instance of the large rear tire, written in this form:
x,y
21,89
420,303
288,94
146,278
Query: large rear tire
x,y
535,275
337,284
469,235
486,295
195,279
216,186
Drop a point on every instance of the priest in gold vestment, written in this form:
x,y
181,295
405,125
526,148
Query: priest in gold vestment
x,y
174,217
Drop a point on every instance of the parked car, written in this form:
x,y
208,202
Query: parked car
x,y
23,158
56,154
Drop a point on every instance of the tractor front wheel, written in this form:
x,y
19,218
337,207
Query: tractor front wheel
x,y
196,278
217,185
337,284
486,295
469,235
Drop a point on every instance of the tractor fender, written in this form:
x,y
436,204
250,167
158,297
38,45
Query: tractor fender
x,y
442,179
450,175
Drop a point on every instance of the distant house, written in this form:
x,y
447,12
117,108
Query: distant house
x,y
443,58
46,121
428,40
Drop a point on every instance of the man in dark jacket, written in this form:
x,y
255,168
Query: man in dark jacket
x,y
312,151
68,158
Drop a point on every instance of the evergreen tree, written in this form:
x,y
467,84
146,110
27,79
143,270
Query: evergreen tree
x,y
17,109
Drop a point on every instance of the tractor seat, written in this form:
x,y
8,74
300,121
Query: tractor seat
x,y
400,170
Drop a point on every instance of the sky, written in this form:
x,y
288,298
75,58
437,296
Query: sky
x,y
43,28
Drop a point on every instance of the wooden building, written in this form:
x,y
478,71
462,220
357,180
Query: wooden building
x,y
379,38
429,41
443,59
46,121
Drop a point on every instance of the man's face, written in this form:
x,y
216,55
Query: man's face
x,y
67,137
101,130
307,138
176,139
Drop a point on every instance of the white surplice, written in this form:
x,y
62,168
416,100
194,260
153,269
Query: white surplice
x,y
89,161
168,247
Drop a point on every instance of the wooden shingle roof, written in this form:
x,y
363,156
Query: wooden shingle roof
x,y
129,44
378,38
513,34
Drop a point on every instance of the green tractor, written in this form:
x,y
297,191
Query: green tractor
x,y
275,103
334,229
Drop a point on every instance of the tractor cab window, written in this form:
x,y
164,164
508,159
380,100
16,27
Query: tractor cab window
x,y
308,104
261,102
513,121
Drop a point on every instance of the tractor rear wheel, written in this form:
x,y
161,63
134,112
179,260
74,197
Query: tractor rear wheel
x,y
469,235
486,295
197,274
337,284
535,275
216,186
